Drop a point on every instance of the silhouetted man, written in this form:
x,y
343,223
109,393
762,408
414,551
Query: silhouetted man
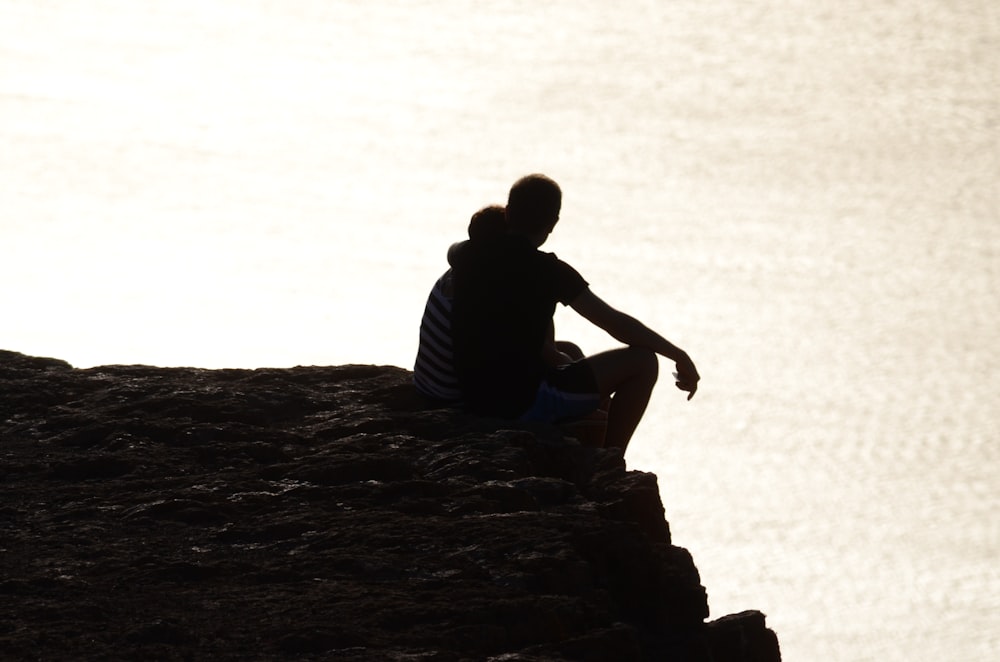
x,y
505,293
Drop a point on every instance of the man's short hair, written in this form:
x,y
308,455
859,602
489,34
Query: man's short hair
x,y
533,204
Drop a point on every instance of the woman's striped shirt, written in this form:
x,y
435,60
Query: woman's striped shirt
x,y
434,371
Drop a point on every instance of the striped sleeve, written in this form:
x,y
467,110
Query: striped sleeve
x,y
434,370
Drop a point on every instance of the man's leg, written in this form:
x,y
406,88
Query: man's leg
x,y
628,375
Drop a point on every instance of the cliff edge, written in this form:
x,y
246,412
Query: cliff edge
x,y
325,513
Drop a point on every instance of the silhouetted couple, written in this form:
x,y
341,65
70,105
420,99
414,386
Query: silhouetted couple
x,y
487,336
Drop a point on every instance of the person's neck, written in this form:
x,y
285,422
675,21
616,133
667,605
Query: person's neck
x,y
535,239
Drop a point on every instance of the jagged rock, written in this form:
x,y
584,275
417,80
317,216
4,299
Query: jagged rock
x,y
325,513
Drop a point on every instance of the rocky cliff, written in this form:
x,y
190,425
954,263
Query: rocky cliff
x,y
325,513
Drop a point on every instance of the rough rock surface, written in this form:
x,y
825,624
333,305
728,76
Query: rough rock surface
x,y
325,513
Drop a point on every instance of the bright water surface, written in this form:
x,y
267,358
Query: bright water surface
x,y
802,193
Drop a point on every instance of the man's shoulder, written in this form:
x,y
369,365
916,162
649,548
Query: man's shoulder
x,y
552,258
555,262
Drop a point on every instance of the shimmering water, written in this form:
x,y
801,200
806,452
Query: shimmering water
x,y
802,194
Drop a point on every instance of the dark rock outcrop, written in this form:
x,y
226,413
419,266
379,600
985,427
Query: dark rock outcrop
x,y
325,513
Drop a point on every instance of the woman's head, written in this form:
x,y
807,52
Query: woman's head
x,y
488,223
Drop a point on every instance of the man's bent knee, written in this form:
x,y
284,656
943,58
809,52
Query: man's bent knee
x,y
614,368
647,364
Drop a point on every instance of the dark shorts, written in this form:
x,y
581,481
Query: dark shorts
x,y
566,392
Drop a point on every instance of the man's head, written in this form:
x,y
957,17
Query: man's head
x,y
533,206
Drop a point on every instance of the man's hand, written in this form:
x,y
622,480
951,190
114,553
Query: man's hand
x,y
553,358
687,376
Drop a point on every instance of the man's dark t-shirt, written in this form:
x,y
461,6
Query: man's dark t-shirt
x,y
505,295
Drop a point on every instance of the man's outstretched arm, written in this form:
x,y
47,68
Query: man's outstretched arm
x,y
630,331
